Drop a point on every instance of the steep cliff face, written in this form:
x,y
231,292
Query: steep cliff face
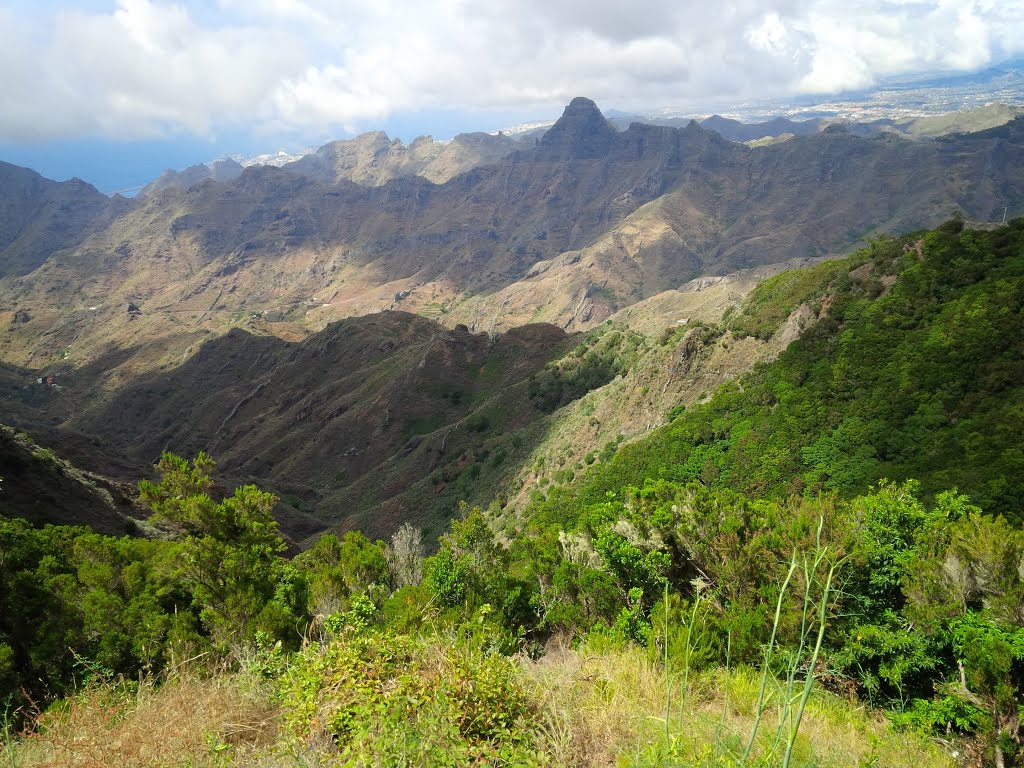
x,y
581,133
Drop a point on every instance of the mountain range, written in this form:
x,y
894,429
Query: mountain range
x,y
569,231
360,328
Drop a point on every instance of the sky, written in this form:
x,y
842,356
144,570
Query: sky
x,y
114,91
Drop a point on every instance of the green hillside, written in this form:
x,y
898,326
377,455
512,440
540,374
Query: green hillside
x,y
916,370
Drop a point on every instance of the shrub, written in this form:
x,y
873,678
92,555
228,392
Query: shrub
x,y
408,700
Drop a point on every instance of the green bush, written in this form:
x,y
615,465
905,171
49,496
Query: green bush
x,y
408,700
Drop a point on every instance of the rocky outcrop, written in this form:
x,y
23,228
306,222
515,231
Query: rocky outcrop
x,y
374,159
220,171
581,133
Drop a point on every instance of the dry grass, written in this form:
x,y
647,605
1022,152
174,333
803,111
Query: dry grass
x,y
609,707
190,722
597,707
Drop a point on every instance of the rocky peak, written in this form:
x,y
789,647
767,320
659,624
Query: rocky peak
x,y
372,141
582,132
226,169
220,170
479,139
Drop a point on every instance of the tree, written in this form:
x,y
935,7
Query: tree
x,y
966,583
470,572
337,570
231,551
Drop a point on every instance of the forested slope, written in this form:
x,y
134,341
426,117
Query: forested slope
x,y
915,370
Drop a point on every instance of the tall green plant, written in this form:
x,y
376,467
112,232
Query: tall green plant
x,y
231,556
818,570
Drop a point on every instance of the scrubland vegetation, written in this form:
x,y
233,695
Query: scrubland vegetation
x,y
820,565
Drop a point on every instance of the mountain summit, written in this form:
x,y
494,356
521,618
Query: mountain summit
x,y
581,133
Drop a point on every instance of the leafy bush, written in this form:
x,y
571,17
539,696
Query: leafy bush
x,y
409,700
68,594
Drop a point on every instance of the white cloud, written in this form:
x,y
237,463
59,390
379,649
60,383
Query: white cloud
x,y
770,35
854,47
152,67
145,68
